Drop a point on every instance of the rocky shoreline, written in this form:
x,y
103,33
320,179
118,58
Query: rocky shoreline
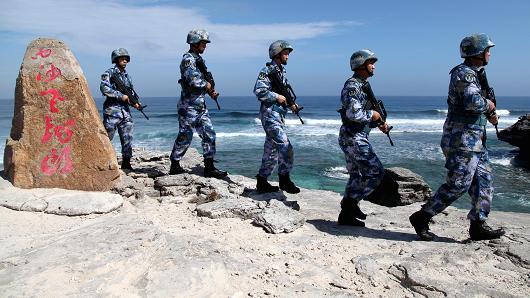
x,y
186,235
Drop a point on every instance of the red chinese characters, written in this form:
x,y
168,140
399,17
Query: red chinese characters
x,y
56,95
51,74
63,133
58,160
44,53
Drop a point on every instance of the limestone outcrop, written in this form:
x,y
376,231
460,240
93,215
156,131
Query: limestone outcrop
x,y
191,236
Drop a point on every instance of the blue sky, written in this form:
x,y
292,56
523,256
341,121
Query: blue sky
x,y
416,41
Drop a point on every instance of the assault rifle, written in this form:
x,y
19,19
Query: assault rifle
x,y
378,106
133,96
208,77
488,93
284,89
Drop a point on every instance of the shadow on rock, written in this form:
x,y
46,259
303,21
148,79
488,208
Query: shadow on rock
x,y
331,227
267,197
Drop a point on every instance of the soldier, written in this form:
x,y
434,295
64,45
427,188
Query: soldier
x,y
365,169
192,108
116,111
463,144
277,148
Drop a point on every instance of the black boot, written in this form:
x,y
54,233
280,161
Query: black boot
x,y
357,213
263,186
349,213
126,164
420,222
479,230
287,185
175,168
211,171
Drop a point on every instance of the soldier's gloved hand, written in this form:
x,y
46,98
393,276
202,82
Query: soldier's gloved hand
x,y
281,99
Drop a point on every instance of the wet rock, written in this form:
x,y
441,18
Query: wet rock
x,y
519,135
400,187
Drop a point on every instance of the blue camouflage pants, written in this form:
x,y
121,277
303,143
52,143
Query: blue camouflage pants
x,y
469,172
277,148
190,119
363,165
123,121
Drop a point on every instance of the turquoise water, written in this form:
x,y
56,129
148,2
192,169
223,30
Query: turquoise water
x,y
319,162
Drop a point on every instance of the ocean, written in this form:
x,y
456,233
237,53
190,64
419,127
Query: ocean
x,y
319,162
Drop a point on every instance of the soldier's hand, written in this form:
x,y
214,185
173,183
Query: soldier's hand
x,y
376,116
136,106
383,127
208,87
281,99
125,98
491,106
494,118
294,108
213,94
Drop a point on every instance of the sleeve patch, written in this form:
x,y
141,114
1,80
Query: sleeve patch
x,y
469,77
105,77
262,76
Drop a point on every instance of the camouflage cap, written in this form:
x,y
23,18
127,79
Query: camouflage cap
x,y
121,52
474,45
198,35
276,47
358,58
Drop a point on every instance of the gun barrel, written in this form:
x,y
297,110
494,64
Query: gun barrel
x,y
217,103
141,111
388,135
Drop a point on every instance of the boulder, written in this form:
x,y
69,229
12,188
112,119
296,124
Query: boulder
x,y
400,187
519,135
57,137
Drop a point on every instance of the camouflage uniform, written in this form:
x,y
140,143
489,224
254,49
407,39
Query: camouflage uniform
x,y
463,144
365,169
277,147
116,112
192,111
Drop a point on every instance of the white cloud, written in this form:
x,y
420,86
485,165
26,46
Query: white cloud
x,y
93,26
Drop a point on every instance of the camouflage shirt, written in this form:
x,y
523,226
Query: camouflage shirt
x,y
114,102
263,89
465,129
192,82
355,112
